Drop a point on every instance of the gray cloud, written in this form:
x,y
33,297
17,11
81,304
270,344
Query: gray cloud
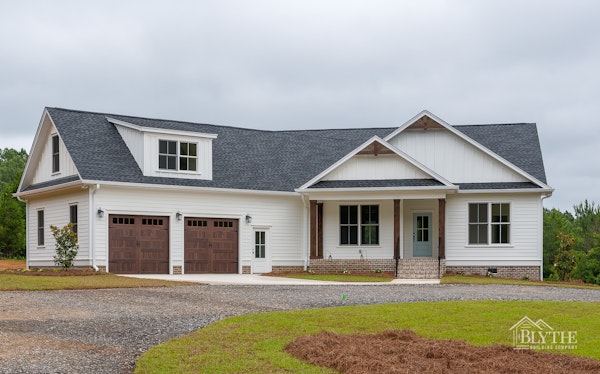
x,y
315,64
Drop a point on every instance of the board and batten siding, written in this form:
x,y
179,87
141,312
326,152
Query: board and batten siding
x,y
57,212
331,232
452,157
283,215
361,167
43,167
525,232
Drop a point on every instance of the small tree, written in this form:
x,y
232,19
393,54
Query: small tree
x,y
564,261
66,245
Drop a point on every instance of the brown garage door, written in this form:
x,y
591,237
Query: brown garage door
x,y
211,245
138,244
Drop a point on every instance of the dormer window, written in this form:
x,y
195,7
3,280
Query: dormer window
x,y
178,156
55,154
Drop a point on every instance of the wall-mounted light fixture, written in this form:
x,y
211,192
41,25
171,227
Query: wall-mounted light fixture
x,y
100,213
178,216
248,218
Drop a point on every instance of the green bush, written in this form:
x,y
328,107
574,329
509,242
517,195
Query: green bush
x,y
66,245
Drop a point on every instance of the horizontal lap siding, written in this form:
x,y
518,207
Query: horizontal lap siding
x,y
524,231
56,212
331,232
284,216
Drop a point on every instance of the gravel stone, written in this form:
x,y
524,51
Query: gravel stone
x,y
105,331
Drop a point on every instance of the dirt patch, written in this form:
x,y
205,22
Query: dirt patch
x,y
12,264
406,352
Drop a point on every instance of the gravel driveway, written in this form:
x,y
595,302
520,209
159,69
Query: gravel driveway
x,y
104,331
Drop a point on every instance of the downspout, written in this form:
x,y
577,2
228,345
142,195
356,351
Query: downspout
x,y
542,236
93,226
306,225
26,231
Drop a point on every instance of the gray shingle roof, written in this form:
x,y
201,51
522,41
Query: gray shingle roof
x,y
497,186
257,159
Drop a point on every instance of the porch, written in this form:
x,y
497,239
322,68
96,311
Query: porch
x,y
403,236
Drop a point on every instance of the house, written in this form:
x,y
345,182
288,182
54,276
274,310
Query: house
x,y
157,196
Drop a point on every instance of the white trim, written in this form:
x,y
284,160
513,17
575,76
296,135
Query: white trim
x,y
367,189
489,223
513,190
160,130
469,140
384,143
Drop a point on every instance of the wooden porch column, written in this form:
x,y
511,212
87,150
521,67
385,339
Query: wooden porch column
x,y
316,230
396,228
442,227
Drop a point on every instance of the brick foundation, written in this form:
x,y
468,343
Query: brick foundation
x,y
288,269
326,266
177,270
421,268
514,272
246,269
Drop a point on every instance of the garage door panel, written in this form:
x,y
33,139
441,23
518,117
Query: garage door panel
x,y
138,244
210,245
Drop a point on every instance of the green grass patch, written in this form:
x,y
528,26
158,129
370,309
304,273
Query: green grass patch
x,y
16,282
339,277
462,279
255,343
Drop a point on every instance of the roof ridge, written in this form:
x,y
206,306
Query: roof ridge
x,y
496,124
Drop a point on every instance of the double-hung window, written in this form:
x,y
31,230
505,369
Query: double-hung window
x,y
40,228
489,223
178,156
73,217
55,154
355,228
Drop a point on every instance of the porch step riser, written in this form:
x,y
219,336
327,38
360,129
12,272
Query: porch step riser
x,y
421,268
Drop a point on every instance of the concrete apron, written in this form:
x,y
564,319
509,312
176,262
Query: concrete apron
x,y
256,279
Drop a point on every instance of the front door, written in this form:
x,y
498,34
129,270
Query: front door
x,y
422,235
261,256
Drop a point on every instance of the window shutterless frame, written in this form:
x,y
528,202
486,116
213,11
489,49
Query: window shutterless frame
x,y
177,155
488,223
359,224
55,154
40,228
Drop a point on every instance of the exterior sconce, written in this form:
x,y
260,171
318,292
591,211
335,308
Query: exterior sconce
x,y
178,216
100,213
248,218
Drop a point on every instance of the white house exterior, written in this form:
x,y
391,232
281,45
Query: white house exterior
x,y
157,196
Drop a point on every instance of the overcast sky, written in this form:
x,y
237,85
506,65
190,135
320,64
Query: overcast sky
x,y
315,64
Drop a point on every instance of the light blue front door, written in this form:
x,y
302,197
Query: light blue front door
x,y
422,235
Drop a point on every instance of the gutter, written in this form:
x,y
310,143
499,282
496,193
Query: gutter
x,y
93,226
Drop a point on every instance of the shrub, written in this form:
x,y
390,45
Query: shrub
x,y
66,245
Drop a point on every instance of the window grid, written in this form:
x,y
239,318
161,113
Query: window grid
x,y
260,244
174,155
354,231
489,223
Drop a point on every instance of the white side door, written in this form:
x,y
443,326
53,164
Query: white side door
x,y
261,253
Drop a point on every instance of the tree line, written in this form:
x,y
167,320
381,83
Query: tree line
x,y
572,243
12,211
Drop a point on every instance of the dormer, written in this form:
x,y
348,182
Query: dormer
x,y
168,153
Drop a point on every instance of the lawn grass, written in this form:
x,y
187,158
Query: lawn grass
x,y
16,282
339,277
255,343
462,279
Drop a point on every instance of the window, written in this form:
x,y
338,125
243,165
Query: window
x,y
170,152
349,225
489,223
369,224
40,227
73,217
55,154
260,245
